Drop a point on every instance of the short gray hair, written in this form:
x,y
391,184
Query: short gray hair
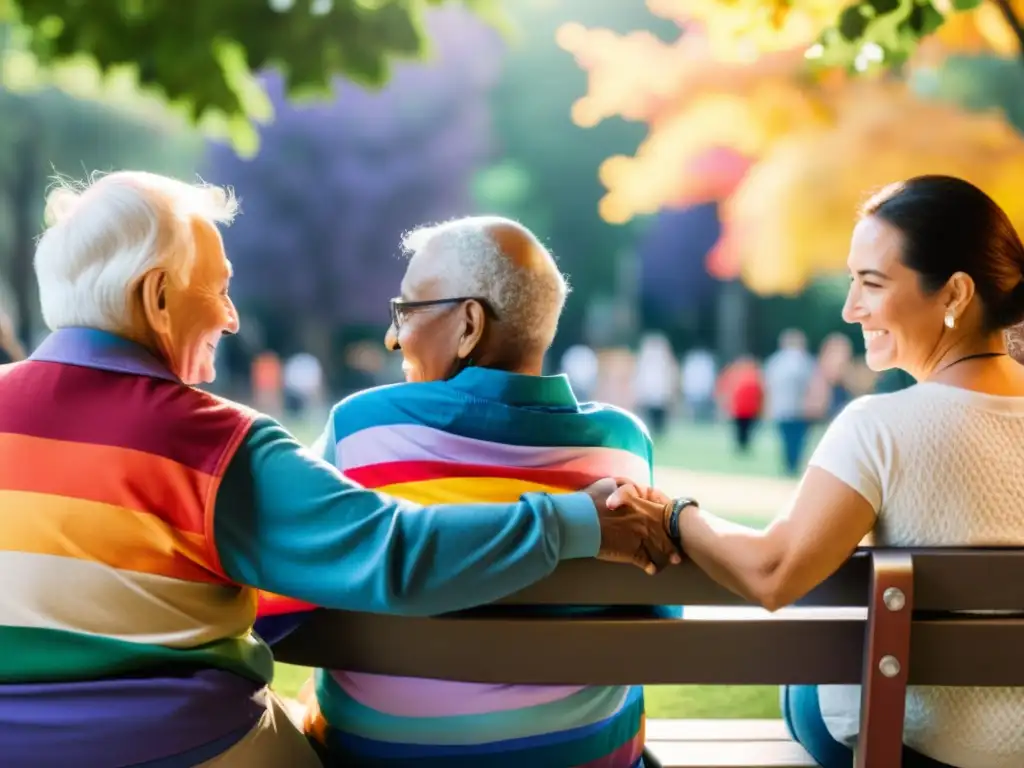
x,y
104,235
527,300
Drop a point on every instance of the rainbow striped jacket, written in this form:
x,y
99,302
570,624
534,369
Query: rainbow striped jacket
x,y
483,436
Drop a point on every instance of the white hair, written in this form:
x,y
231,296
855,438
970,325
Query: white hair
x,y
468,256
104,235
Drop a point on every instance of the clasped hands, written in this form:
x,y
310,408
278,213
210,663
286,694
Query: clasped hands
x,y
634,524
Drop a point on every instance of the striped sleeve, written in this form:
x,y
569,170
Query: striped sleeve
x,y
288,523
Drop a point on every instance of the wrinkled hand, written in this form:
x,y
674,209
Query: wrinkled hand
x,y
632,528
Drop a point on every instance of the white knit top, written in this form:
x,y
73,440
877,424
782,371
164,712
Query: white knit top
x,y
942,466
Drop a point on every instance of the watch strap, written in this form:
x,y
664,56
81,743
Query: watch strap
x,y
678,505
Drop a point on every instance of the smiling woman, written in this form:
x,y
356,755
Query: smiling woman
x,y
937,276
914,279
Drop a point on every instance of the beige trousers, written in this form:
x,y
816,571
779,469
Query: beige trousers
x,y
275,742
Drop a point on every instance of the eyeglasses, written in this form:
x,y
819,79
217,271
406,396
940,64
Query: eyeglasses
x,y
400,307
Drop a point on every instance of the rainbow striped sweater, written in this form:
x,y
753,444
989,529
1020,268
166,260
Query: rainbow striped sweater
x,y
139,515
485,435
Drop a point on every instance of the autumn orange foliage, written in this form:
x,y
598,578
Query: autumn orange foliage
x,y
736,115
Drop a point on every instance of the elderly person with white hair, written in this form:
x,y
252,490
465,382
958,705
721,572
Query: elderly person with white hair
x,y
476,422
139,514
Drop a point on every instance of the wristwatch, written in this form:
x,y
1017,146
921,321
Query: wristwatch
x,y
678,505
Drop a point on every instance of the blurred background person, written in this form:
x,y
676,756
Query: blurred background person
x,y
741,399
581,365
303,382
788,376
697,381
267,382
11,350
835,359
654,382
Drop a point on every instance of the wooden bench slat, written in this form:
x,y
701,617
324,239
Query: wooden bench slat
x,y
945,580
580,651
730,754
716,730
583,651
751,613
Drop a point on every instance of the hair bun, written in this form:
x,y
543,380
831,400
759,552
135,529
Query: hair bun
x,y
1012,310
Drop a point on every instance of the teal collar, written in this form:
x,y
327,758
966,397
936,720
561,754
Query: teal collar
x,y
516,388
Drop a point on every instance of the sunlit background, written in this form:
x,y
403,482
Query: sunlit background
x,y
695,167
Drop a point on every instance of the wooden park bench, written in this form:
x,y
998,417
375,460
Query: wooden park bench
x,y
905,635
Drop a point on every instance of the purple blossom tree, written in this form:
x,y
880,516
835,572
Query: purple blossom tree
x,y
673,252
336,183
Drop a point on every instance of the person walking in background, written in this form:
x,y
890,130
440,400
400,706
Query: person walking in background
x,y
697,381
788,378
267,384
834,361
741,396
581,365
303,381
11,350
655,381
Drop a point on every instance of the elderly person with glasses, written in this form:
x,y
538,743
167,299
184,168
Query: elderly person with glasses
x,y
140,514
477,421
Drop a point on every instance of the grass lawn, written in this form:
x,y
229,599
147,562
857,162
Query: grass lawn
x,y
668,701
697,448
709,448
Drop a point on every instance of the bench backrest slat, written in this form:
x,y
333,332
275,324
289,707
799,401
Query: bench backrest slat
x,y
490,648
945,580
650,651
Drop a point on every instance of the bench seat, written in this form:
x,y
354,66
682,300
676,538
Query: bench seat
x,y
724,744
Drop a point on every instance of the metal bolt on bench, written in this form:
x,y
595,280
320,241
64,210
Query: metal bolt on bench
x,y
909,637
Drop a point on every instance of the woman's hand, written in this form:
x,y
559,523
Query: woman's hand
x,y
631,492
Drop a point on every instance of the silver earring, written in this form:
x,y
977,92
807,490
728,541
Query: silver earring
x,y
950,320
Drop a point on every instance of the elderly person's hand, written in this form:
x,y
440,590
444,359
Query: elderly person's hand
x,y
631,532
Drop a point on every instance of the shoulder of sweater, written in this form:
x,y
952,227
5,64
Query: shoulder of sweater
x,y
914,407
400,392
620,417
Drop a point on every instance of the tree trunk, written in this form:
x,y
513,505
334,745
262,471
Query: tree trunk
x,y
733,310
23,197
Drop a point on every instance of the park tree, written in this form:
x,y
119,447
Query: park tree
x,y
675,288
787,147
856,34
336,183
167,64
545,174
204,58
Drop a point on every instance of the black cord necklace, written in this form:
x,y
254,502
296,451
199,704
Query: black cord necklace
x,y
975,356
